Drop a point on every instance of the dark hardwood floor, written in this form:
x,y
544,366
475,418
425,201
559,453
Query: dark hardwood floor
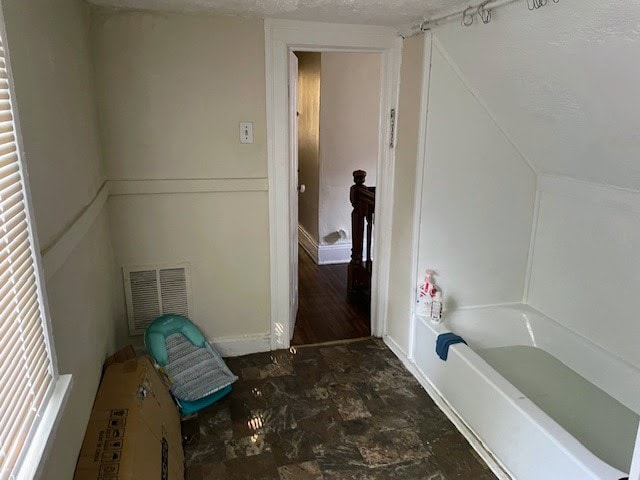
x,y
324,312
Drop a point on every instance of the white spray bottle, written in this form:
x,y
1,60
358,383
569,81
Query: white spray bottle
x,y
436,307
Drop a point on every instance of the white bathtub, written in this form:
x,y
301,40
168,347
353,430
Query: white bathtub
x,y
527,442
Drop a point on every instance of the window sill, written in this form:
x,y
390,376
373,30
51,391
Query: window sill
x,y
40,445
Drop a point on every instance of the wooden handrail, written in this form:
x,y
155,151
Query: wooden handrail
x,y
363,200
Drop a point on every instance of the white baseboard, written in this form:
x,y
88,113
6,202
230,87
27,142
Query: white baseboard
x,y
242,345
324,254
308,243
480,448
333,254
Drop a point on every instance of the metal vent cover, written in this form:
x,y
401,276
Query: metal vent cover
x,y
155,290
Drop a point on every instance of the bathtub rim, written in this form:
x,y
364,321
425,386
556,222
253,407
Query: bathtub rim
x,y
533,316
560,437
481,448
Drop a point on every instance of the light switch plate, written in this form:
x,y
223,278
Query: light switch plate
x,y
246,132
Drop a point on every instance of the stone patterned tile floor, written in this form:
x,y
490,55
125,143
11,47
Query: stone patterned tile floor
x,y
348,411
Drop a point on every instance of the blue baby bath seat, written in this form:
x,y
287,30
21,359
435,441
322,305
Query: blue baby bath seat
x,y
199,375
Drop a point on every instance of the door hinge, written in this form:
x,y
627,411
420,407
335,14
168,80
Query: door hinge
x,y
392,136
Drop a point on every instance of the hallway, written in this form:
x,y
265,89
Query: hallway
x,y
324,312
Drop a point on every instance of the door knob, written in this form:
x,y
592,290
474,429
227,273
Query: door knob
x,y
301,188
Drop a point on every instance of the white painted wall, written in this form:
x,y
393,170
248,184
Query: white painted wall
x,y
349,113
401,264
585,262
55,97
561,83
558,81
172,89
477,199
558,86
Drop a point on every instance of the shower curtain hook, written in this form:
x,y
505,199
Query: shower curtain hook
x,y
467,18
484,13
535,4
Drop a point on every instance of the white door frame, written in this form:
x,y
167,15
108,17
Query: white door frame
x,y
281,36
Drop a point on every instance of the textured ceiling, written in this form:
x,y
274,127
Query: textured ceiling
x,y
563,82
398,13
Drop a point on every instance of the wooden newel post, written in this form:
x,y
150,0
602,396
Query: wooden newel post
x,y
363,200
357,230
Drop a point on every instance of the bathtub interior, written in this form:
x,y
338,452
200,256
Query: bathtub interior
x,y
591,393
598,421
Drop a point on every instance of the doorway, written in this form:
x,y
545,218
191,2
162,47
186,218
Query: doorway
x,y
281,38
335,114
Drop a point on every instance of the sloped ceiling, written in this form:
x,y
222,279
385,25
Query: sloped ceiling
x,y
563,82
397,13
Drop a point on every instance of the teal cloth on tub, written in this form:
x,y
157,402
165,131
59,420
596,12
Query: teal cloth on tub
x,y
444,341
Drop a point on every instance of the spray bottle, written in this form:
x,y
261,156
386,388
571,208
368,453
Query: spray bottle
x,y
425,295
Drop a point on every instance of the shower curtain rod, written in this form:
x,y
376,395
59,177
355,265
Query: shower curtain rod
x,y
471,10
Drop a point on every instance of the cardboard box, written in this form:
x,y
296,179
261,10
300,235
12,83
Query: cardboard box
x,y
134,428
121,356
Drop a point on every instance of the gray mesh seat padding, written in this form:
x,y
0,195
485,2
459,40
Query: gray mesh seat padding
x,y
196,372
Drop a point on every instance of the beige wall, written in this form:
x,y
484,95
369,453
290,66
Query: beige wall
x,y
172,89
349,129
229,264
400,287
309,140
50,57
54,85
87,310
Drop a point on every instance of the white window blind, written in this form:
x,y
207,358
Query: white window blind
x,y
26,370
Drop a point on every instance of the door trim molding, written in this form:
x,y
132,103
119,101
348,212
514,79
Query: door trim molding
x,y
281,36
421,162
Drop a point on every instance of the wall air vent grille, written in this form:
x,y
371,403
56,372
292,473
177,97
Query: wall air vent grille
x,y
152,291
173,291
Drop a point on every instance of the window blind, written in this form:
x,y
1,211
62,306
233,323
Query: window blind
x,y
26,370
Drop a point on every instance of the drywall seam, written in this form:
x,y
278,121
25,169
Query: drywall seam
x,y
481,102
187,185
69,225
615,197
56,253
532,242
